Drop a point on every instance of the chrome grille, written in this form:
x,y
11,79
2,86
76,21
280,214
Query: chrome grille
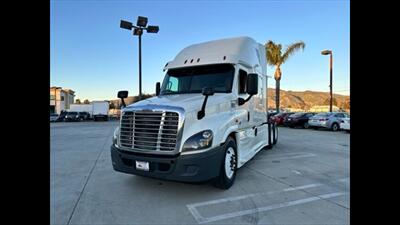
x,y
149,130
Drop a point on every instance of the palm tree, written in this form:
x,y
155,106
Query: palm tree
x,y
276,58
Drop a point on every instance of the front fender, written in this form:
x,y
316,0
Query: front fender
x,y
222,124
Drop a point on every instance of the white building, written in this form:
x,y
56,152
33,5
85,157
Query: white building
x,y
60,99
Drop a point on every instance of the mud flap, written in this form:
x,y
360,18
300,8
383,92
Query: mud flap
x,y
270,145
274,133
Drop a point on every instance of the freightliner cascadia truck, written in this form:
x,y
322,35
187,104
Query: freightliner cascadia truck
x,y
208,118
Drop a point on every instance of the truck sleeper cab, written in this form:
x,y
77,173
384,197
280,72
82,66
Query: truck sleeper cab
x,y
208,118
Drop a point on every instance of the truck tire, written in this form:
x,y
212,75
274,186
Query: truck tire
x,y
228,169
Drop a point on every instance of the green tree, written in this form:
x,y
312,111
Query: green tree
x,y
78,101
86,101
276,58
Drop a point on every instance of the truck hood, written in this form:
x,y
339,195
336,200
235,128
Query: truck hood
x,y
189,102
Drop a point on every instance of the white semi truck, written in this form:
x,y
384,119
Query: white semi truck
x,y
208,118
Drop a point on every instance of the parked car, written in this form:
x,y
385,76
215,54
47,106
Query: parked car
x,y
298,119
330,120
72,116
84,115
279,118
53,117
61,117
345,124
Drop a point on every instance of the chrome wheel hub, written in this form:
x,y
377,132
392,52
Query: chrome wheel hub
x,y
230,162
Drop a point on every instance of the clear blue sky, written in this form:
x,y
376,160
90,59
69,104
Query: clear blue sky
x,y
93,56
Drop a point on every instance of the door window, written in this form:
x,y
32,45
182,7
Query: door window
x,y
242,81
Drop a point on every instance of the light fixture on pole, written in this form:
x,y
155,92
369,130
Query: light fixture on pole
x,y
141,24
329,52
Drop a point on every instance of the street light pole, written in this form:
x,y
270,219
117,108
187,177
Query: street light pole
x,y
329,52
140,65
330,86
141,25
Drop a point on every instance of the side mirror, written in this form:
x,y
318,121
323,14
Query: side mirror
x,y
252,84
251,87
206,91
122,95
158,88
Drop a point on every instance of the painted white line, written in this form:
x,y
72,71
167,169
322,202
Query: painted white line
x,y
296,172
230,199
288,157
199,218
270,207
287,154
195,214
302,187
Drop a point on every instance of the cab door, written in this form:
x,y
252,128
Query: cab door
x,y
260,108
244,115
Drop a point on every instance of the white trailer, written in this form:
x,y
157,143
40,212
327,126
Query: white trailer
x,y
81,108
208,119
100,110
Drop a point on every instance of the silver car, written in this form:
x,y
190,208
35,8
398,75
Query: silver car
x,y
330,120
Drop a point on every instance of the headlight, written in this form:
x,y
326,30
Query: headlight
x,y
115,136
201,140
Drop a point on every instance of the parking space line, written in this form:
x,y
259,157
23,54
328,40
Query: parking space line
x,y
305,155
270,207
200,219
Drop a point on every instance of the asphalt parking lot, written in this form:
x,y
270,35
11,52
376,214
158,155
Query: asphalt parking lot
x,y
304,179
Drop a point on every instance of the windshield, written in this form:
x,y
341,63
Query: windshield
x,y
72,113
193,79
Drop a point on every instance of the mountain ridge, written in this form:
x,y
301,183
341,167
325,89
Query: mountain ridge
x,y
307,99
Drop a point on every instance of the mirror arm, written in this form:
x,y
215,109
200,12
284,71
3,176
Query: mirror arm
x,y
202,113
123,102
241,101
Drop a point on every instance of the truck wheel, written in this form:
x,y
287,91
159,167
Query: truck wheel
x,y
227,173
335,127
306,125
